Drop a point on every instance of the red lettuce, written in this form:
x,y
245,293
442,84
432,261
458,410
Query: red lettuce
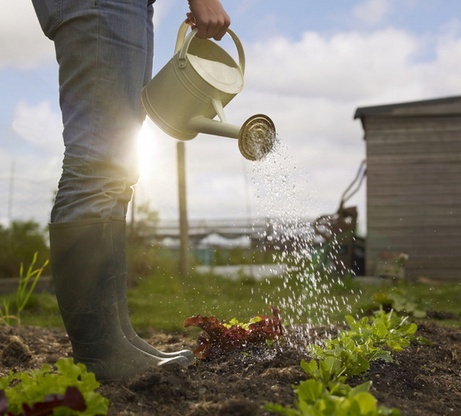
x,y
218,338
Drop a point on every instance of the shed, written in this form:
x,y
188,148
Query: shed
x,y
413,153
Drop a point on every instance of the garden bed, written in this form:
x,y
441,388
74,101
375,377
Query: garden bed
x,y
423,380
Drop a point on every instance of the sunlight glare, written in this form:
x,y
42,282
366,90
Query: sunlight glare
x,y
146,150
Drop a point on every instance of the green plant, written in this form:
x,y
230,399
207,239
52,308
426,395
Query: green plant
x,y
314,398
368,339
400,301
349,354
438,301
26,286
32,388
20,240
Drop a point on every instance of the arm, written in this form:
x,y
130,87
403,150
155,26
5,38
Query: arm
x,y
209,17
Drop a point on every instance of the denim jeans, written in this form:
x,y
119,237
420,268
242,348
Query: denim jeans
x,y
104,49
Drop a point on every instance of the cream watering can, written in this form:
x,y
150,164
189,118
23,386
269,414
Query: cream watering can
x,y
192,89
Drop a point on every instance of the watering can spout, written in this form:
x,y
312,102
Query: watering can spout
x,y
218,128
194,86
256,136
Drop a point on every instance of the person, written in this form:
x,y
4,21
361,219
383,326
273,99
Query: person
x,y
104,49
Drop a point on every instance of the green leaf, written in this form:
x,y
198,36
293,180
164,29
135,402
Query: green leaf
x,y
364,387
310,390
379,330
282,410
412,328
330,368
310,368
367,404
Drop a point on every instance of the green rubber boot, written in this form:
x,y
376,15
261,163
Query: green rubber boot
x,y
119,232
85,271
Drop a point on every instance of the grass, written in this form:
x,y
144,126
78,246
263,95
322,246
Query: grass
x,y
162,300
440,297
41,310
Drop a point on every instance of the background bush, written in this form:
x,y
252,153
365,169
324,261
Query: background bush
x,y
18,243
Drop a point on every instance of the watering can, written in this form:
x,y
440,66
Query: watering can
x,y
186,95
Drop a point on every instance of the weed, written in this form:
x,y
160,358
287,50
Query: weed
x,y
27,282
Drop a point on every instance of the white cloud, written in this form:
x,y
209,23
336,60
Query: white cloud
x,y
35,171
22,42
440,76
40,126
162,9
27,184
372,12
345,66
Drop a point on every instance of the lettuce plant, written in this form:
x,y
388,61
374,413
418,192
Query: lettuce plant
x,y
66,390
219,337
326,392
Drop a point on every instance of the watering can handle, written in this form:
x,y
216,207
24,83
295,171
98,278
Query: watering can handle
x,y
183,42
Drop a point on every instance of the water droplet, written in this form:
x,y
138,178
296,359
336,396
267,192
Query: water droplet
x,y
310,266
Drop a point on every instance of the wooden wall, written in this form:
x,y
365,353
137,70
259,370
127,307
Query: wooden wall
x,y
414,189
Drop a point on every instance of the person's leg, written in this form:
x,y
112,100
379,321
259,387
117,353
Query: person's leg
x,y
102,48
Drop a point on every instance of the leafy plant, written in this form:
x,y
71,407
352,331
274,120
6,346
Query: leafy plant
x,y
26,286
314,398
326,392
400,301
369,339
219,337
27,393
71,399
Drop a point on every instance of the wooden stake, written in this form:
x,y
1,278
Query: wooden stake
x,y
183,222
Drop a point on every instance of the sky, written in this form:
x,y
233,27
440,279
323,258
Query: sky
x,y
309,66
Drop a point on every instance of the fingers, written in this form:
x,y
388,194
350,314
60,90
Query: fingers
x,y
190,20
209,17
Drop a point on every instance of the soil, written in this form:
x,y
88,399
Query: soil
x,y
423,380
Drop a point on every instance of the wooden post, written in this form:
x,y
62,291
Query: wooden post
x,y
183,223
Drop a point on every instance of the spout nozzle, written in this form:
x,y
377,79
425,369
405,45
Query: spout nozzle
x,y
257,137
201,124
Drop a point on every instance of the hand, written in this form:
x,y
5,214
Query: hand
x,y
209,17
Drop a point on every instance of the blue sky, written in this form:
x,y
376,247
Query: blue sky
x,y
309,66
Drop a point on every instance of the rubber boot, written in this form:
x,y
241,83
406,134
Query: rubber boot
x,y
84,276
119,232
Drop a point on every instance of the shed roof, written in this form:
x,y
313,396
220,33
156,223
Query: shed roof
x,y
439,106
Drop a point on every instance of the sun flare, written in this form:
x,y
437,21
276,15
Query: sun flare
x,y
146,147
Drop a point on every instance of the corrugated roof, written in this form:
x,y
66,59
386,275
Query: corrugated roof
x,y
439,106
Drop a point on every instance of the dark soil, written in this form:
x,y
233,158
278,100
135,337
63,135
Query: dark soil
x,y
424,380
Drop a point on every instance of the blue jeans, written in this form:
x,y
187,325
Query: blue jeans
x,y
104,49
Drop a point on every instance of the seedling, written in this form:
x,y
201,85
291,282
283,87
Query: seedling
x,y
27,282
326,392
